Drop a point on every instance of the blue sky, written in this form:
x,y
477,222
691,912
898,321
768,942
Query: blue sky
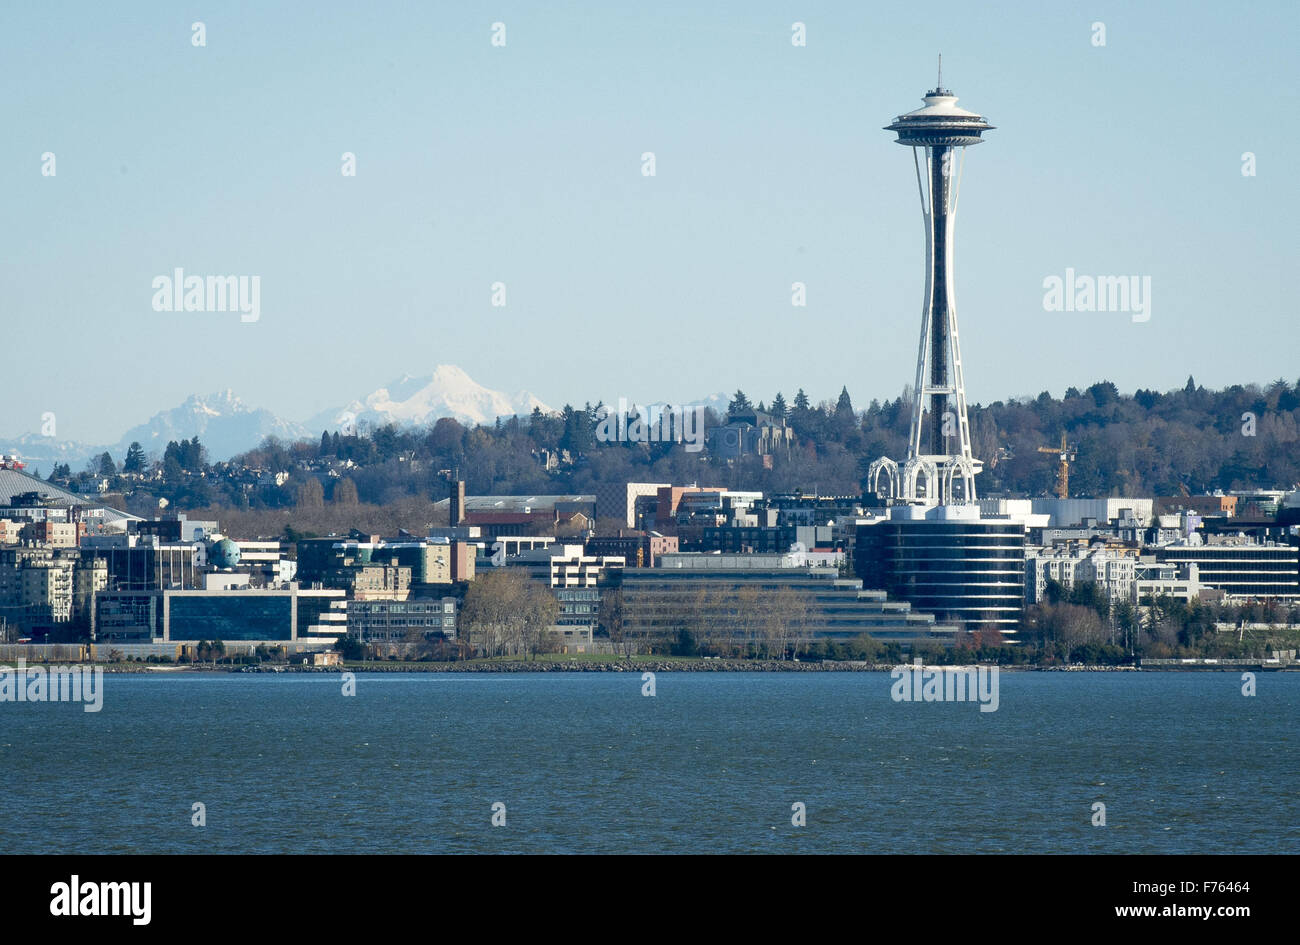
x,y
521,164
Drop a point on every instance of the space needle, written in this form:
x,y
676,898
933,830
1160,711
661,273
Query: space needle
x,y
939,448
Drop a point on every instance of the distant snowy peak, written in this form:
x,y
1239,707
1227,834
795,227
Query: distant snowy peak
x,y
447,392
224,424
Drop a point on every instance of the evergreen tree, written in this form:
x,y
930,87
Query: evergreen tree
x,y
805,419
134,462
107,468
779,408
191,454
844,406
325,444
578,432
739,404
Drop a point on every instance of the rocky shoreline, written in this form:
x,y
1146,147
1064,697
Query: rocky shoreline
x,y
653,666
592,666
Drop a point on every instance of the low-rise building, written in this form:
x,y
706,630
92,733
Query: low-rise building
x,y
1153,579
637,551
248,615
732,598
378,621
1243,569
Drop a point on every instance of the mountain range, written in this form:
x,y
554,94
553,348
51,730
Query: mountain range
x,y
226,426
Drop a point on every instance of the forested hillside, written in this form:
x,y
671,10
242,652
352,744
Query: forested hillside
x,y
1147,443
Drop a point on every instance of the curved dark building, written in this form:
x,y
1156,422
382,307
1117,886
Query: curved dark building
x,y
970,572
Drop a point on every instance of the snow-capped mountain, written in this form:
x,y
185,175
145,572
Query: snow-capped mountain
x,y
447,392
224,424
719,402
42,453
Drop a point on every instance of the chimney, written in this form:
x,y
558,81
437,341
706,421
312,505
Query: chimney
x,y
456,512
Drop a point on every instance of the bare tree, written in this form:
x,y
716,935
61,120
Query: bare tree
x,y
785,622
506,613
613,621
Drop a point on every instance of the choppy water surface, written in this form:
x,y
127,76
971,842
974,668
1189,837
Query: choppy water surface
x,y
712,763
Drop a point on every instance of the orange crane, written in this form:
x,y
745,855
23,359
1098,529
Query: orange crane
x,y
1066,454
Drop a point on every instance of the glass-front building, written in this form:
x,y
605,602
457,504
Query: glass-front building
x,y
1242,570
968,571
248,615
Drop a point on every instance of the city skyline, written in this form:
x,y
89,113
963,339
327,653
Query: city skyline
x,y
770,170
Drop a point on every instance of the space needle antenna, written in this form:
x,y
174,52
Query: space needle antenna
x,y
939,444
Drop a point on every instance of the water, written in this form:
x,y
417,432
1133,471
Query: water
x,y
584,763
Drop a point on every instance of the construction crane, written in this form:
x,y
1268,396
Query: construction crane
x,y
1066,454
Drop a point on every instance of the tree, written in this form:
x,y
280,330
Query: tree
x,y
779,409
844,406
801,415
345,492
134,462
310,495
739,404
507,613
326,445
785,622
538,612
579,434
107,468
350,648
610,620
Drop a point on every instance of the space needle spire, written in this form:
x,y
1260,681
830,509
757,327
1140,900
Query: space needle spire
x,y
939,448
